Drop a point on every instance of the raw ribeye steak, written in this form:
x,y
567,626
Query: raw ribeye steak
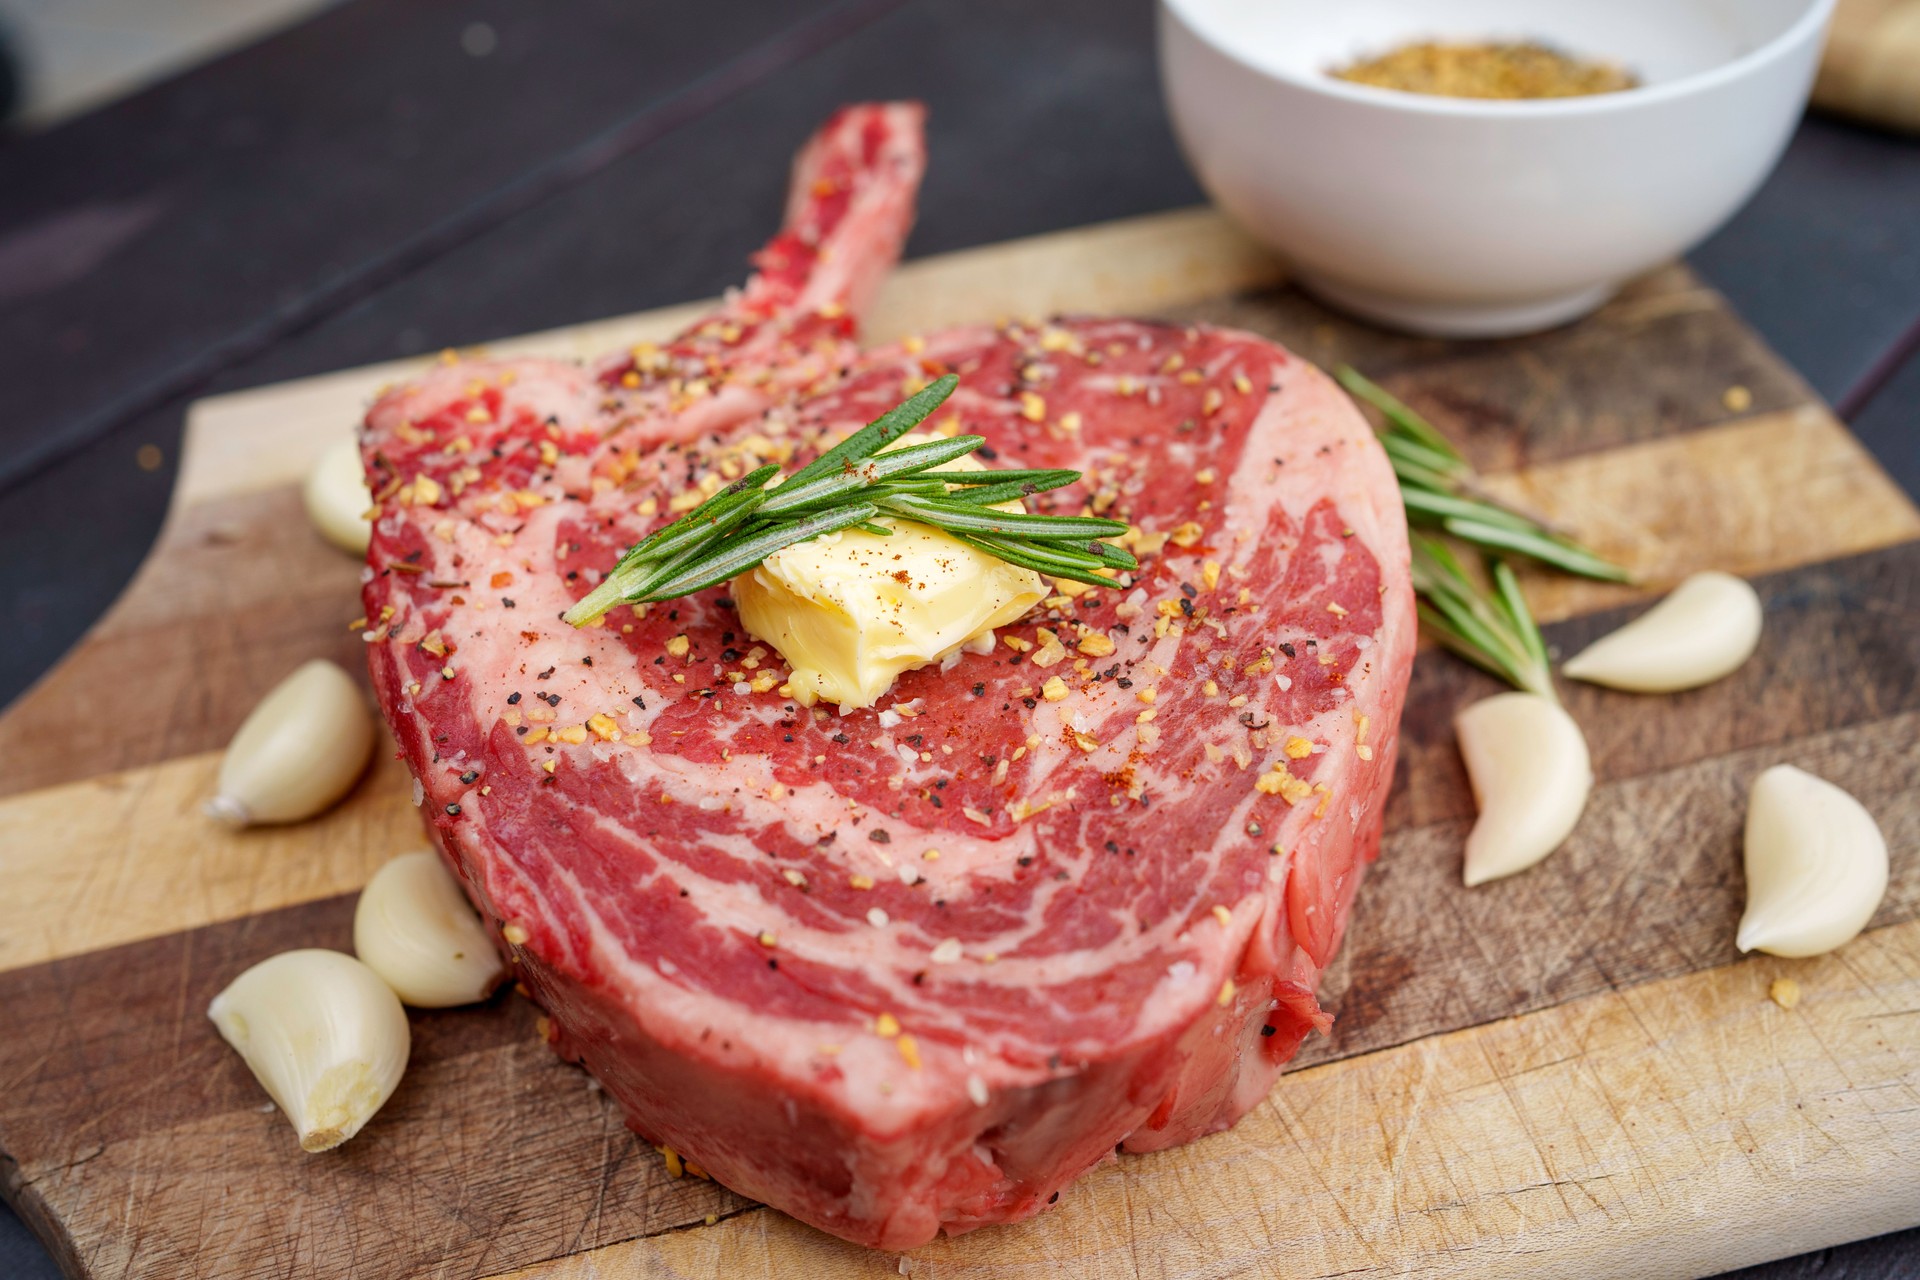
x,y
914,967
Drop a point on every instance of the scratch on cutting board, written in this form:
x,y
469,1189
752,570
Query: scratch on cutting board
x,y
1541,1149
1397,1146
1289,1122
1133,1225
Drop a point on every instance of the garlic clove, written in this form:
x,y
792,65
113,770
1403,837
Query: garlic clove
x,y
414,928
1528,764
338,499
322,1034
1705,628
1816,865
298,752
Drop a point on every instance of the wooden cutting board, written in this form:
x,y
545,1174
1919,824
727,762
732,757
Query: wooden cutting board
x,y
1571,1072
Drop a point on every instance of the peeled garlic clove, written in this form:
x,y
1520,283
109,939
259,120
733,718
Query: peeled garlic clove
x,y
414,928
1816,865
322,1034
338,499
1703,630
299,751
1528,764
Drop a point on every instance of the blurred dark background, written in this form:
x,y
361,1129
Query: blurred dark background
x,y
202,195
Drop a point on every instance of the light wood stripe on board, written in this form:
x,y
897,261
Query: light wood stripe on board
x,y
1749,497
130,855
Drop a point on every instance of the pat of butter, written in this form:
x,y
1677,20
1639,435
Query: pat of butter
x,y
852,611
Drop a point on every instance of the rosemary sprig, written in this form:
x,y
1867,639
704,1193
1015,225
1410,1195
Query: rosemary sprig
x,y
1495,632
855,485
1442,491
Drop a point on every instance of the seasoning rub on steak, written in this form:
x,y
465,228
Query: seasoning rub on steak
x,y
914,967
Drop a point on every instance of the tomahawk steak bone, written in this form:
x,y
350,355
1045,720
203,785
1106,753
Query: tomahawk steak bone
x,y
914,967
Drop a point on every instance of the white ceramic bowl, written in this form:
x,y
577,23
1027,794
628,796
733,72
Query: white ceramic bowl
x,y
1468,217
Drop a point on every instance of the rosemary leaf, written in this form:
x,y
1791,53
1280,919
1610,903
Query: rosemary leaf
x,y
1050,478
1494,632
633,581
1118,557
723,512
992,495
1421,458
731,559
881,432
1053,561
1402,418
867,472
957,518
1507,588
1088,556
700,521
1440,488
1561,553
1430,507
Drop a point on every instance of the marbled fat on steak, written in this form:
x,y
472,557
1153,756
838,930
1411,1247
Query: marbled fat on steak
x,y
919,966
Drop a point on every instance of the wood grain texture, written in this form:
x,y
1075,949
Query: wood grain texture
x,y
1760,492
1648,886
1871,67
1665,1130
1566,1072
235,596
1825,625
157,1156
1657,360
130,855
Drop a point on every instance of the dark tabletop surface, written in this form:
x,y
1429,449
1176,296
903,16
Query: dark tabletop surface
x,y
392,179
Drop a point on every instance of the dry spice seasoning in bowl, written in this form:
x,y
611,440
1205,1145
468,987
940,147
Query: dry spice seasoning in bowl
x,y
1470,216
1515,70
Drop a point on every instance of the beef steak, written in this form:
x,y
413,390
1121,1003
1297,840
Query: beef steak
x,y
918,966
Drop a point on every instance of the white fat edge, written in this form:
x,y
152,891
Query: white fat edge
x,y
548,388
947,346
1321,417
